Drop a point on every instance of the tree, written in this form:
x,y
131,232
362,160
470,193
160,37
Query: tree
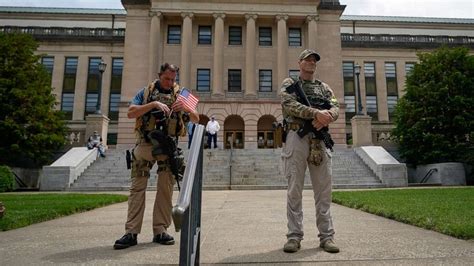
x,y
30,129
434,120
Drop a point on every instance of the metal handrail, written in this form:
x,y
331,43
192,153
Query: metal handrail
x,y
187,211
184,197
428,175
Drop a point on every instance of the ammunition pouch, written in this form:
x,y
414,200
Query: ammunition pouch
x,y
316,152
172,127
294,126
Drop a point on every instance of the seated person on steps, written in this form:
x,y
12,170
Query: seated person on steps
x,y
95,141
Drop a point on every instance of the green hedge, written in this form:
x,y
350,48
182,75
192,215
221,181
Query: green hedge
x,y
7,179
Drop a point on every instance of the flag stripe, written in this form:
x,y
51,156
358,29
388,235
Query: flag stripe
x,y
189,100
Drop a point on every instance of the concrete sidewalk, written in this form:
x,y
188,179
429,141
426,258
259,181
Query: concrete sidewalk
x,y
238,227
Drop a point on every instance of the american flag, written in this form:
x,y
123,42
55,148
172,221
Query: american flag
x,y
189,100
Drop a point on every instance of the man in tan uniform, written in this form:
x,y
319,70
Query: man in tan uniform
x,y
160,119
308,151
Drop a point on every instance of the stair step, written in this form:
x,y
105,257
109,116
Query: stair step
x,y
246,168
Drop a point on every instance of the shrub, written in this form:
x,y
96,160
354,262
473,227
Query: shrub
x,y
7,179
434,120
30,126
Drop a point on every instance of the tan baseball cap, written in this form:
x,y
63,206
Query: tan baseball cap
x,y
309,52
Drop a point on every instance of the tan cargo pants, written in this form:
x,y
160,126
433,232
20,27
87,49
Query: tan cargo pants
x,y
142,164
294,155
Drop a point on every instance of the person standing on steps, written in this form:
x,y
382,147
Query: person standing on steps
x,y
212,128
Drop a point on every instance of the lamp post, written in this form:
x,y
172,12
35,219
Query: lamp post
x,y
102,67
359,99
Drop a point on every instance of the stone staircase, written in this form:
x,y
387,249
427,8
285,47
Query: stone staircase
x,y
230,169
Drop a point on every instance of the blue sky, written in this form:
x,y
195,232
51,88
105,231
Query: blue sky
x,y
411,8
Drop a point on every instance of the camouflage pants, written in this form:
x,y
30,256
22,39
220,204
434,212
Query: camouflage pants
x,y
142,164
295,155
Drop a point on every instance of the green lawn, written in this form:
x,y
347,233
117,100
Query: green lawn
x,y
446,210
26,209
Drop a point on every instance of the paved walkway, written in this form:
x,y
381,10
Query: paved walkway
x,y
238,227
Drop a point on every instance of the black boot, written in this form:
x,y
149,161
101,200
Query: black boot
x,y
164,239
126,241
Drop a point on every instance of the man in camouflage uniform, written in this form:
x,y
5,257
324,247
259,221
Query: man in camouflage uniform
x,y
299,153
159,96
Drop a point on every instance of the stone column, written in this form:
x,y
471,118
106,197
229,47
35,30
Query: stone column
x,y
401,77
81,88
58,78
155,44
218,67
382,107
250,81
106,82
282,58
186,47
312,30
361,130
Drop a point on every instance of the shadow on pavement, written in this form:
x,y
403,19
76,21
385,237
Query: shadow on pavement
x,y
274,256
101,253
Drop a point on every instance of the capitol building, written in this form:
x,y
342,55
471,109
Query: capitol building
x,y
233,55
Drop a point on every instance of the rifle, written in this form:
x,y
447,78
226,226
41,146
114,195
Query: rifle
x,y
322,134
164,144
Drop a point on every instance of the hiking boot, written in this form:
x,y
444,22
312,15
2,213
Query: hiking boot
x,y
329,246
292,245
126,241
163,239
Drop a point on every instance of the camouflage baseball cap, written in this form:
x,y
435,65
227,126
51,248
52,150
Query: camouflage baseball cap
x,y
309,52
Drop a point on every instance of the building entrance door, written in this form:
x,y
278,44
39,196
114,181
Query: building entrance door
x,y
234,139
265,139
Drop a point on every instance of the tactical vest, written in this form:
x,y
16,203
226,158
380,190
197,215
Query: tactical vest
x,y
316,94
147,122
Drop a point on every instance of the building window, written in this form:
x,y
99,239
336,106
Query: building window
x,y
265,36
112,138
409,68
294,37
203,80
294,73
48,64
69,86
92,91
265,80
204,35
235,80
370,89
115,88
349,90
392,88
235,35
174,34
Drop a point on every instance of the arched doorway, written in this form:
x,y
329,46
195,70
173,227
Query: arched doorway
x,y
234,129
265,132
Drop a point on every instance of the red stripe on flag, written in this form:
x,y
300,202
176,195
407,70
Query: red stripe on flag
x,y
189,100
